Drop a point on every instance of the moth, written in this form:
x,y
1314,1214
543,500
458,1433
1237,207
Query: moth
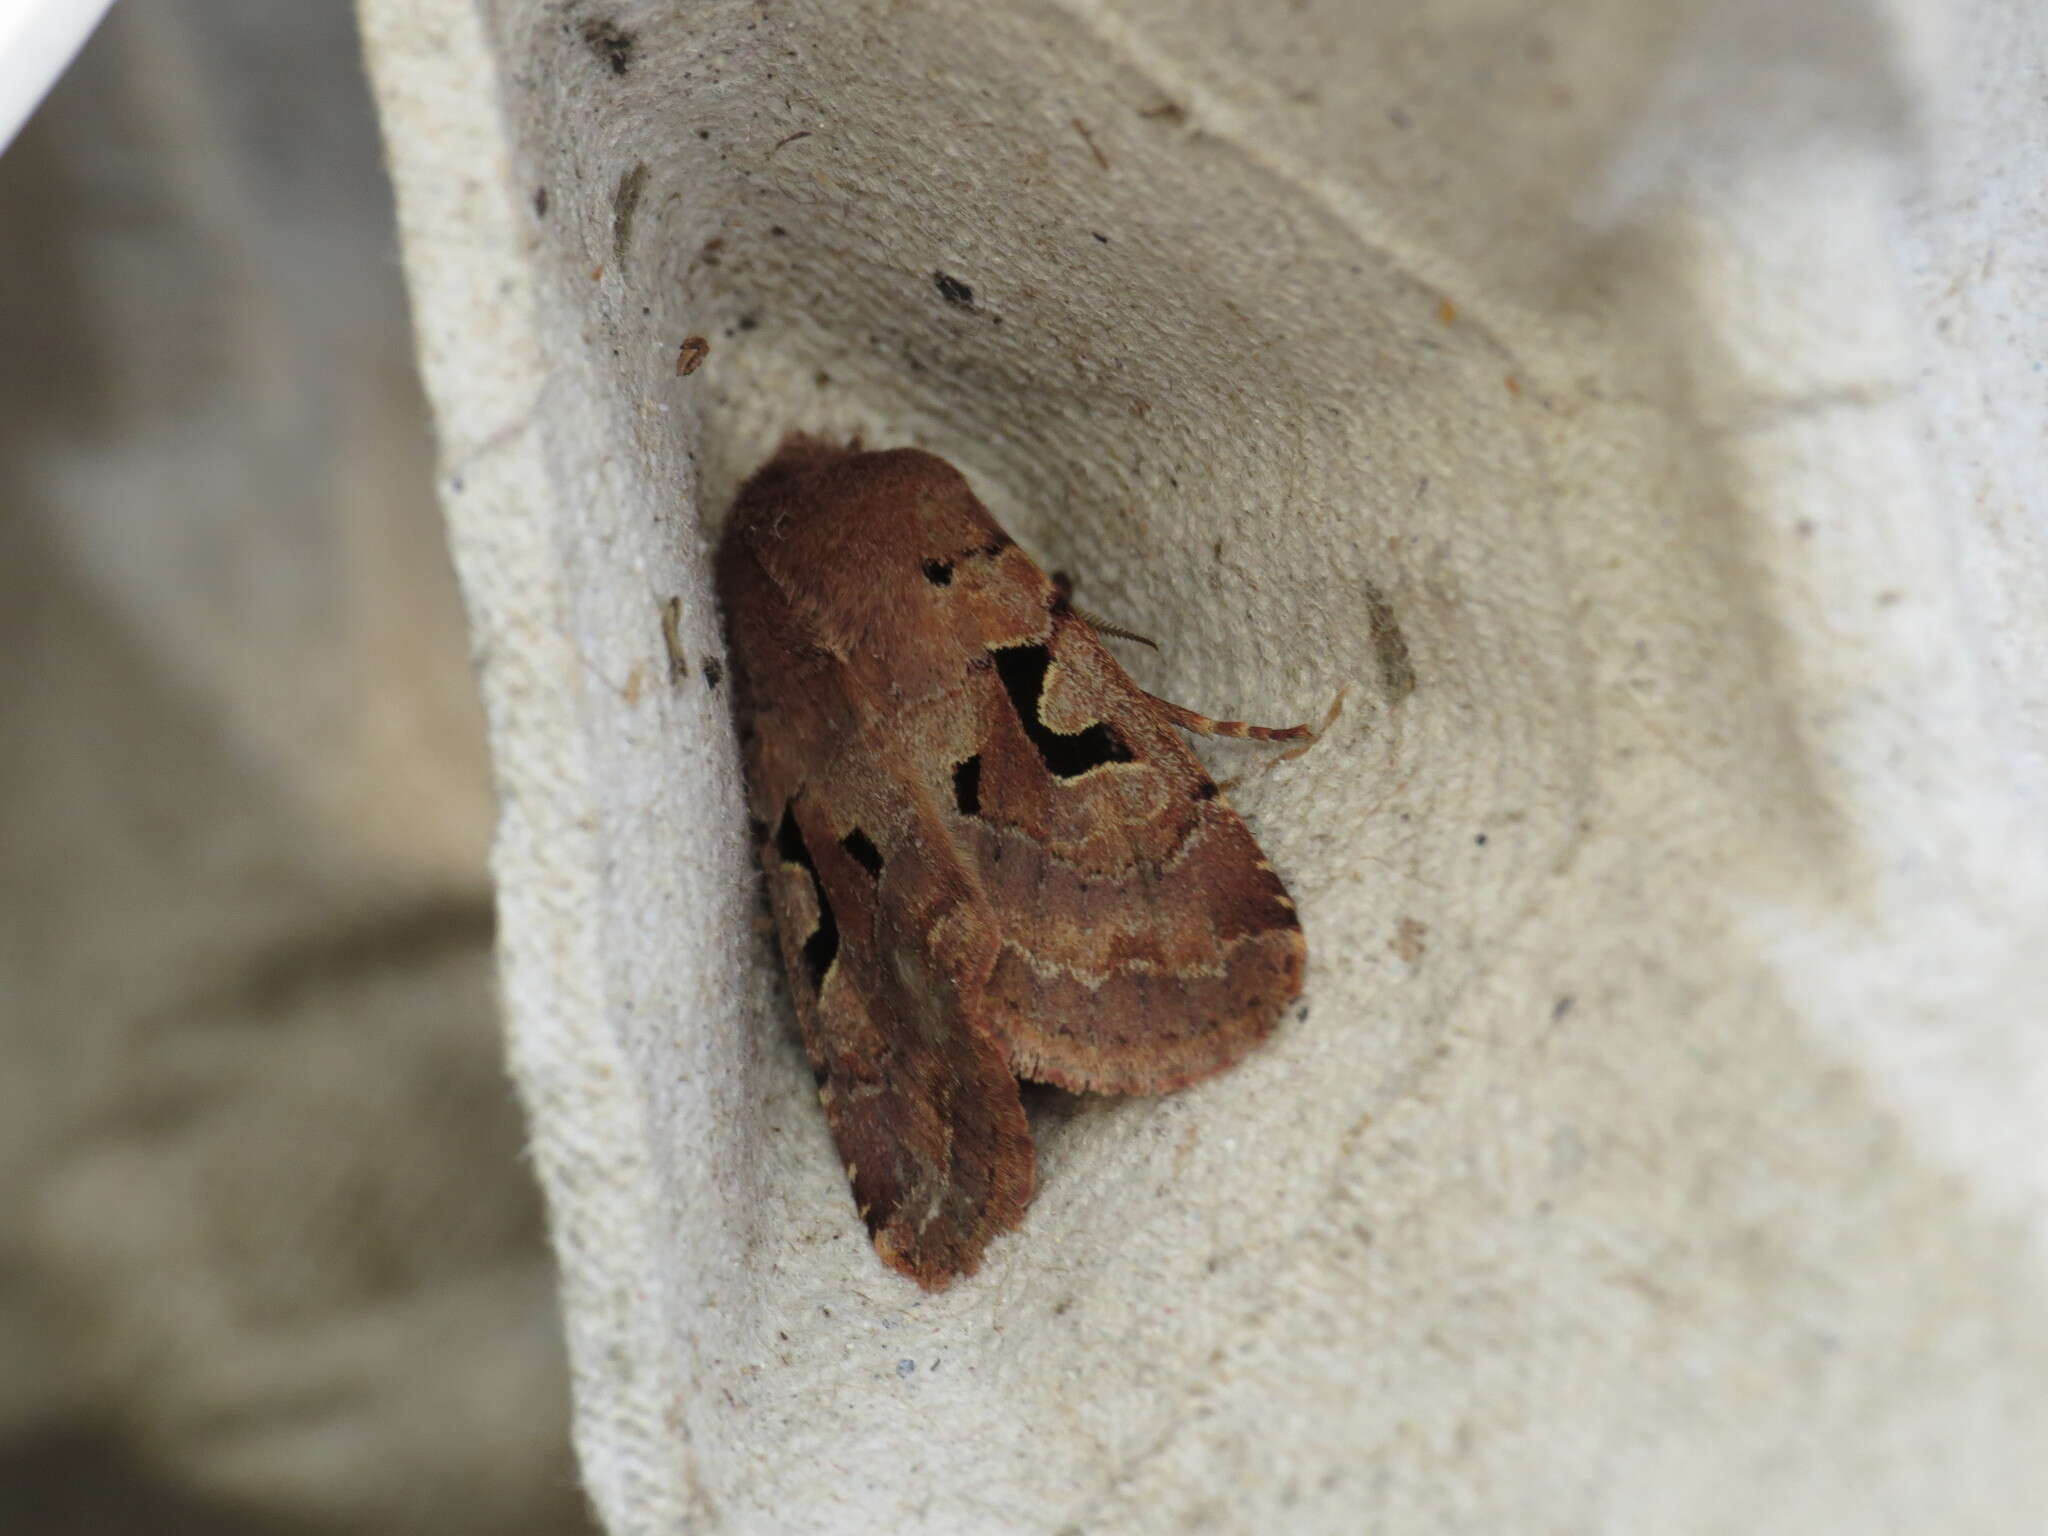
x,y
990,854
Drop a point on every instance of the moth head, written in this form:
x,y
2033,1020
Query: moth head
x,y
891,553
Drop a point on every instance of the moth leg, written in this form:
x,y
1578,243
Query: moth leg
x,y
1203,725
1322,726
1308,736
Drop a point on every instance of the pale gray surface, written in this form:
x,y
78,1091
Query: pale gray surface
x,y
1659,1148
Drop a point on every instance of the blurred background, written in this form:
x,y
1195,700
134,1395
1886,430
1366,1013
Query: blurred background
x,y
270,1259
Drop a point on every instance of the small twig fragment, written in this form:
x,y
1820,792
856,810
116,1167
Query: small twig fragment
x,y
672,639
1089,139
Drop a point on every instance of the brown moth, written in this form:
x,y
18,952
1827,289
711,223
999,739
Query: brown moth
x,y
989,852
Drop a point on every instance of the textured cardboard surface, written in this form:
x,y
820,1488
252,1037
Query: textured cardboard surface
x,y
1656,1148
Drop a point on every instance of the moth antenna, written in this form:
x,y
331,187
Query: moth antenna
x,y
1063,599
1102,626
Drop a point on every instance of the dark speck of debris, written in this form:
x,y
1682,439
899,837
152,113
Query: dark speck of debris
x,y
905,1367
1098,234
747,322
1390,646
952,290
1480,840
777,231
1562,1006
610,42
540,202
626,203
703,133
713,670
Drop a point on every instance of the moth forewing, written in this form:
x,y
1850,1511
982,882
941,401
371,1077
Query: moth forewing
x,y
990,853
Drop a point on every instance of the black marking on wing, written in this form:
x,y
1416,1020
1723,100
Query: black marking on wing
x,y
822,947
1022,669
862,850
967,786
